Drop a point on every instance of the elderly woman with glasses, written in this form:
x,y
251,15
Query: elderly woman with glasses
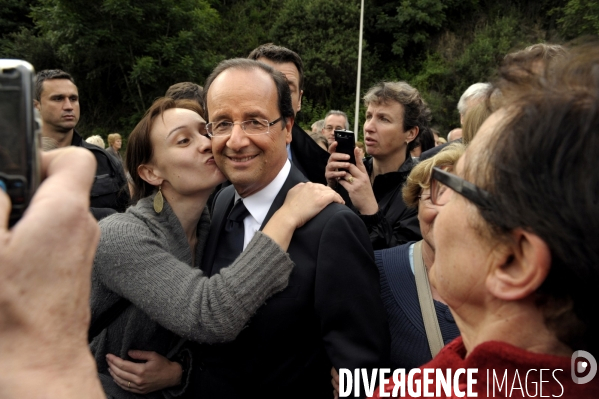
x,y
516,257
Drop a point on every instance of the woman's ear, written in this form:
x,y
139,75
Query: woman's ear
x,y
520,267
149,174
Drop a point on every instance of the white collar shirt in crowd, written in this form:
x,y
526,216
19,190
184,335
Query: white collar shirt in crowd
x,y
259,203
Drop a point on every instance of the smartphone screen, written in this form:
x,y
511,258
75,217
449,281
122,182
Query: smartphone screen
x,y
346,143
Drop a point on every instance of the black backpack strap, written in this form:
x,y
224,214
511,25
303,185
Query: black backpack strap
x,y
107,318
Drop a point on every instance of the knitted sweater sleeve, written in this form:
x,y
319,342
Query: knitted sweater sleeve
x,y
133,262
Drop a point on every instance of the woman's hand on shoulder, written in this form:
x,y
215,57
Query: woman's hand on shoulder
x,y
306,200
155,373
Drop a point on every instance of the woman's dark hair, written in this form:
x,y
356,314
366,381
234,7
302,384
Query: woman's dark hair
x,y
540,167
425,140
139,145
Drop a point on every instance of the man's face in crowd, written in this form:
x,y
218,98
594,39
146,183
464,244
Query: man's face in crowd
x,y
333,122
250,162
59,105
293,78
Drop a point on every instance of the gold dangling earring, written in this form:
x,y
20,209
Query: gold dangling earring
x,y
158,200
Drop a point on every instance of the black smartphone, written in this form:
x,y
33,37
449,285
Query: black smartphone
x,y
346,143
19,135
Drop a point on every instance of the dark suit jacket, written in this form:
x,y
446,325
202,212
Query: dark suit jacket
x,y
331,313
307,156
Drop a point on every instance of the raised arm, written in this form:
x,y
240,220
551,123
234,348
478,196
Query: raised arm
x,y
135,263
45,263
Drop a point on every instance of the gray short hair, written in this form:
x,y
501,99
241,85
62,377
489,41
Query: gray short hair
x,y
336,112
474,92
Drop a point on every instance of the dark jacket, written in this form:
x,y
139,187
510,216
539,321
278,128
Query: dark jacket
x,y
109,193
330,314
308,156
435,150
409,345
394,223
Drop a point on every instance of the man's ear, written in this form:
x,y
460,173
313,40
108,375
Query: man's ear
x,y
288,129
299,103
412,134
37,105
149,174
520,268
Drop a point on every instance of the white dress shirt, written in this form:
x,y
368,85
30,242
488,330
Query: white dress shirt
x,y
259,203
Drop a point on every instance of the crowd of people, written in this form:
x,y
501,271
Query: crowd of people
x,y
232,254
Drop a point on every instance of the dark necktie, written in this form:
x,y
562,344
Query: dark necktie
x,y
230,243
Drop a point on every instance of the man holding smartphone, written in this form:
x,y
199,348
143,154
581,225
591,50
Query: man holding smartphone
x,y
57,100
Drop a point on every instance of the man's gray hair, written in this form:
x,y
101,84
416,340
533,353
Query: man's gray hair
x,y
336,112
474,92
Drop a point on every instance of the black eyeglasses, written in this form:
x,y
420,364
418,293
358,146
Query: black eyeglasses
x,y
441,180
251,127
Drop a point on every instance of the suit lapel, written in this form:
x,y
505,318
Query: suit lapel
x,y
222,205
295,177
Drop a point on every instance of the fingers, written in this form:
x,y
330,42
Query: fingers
x,y
335,382
73,169
126,366
332,147
311,193
338,157
359,163
330,196
123,377
63,198
142,355
124,383
336,170
5,208
335,378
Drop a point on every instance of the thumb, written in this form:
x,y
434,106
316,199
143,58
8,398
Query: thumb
x,y
333,147
141,355
359,163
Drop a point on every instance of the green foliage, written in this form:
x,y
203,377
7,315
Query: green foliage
x,y
325,34
579,17
244,25
125,53
14,16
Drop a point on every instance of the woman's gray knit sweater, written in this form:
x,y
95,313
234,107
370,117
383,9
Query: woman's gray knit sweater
x,y
145,258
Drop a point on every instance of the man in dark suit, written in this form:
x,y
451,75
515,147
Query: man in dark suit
x,y
303,152
331,313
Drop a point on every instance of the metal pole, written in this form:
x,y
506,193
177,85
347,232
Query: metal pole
x,y
357,113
